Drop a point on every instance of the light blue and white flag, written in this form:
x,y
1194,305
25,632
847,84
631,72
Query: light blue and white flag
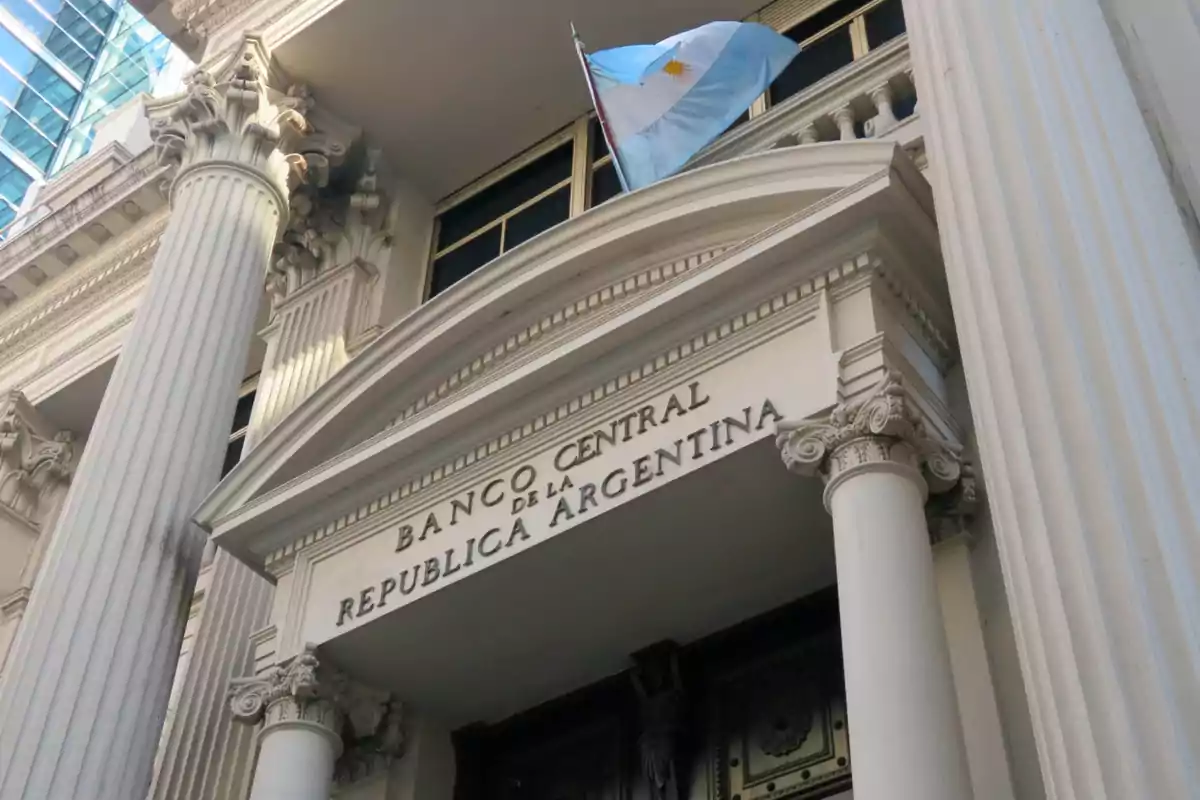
x,y
661,104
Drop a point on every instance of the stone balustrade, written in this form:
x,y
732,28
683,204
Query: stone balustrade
x,y
875,97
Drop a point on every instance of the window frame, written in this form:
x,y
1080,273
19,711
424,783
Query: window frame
x,y
781,15
248,387
580,181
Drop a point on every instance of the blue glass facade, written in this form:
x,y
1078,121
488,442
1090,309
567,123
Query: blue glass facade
x,y
64,65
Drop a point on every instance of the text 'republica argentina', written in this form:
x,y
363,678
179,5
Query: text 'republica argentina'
x,y
551,491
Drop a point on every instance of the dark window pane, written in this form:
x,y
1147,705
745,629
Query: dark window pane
x,y
233,454
241,412
505,195
884,23
605,184
904,106
599,145
822,58
545,213
462,261
811,26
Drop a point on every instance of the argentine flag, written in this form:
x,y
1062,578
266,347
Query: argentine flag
x,y
661,104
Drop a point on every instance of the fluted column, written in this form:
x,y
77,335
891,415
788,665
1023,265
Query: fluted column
x,y
325,291
326,304
91,670
1076,295
879,466
205,755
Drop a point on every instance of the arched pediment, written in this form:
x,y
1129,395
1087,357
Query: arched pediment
x,y
525,329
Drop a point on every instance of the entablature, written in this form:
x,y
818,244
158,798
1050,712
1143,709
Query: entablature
x,y
88,205
621,287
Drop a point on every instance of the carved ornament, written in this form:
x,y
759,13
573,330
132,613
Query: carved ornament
x,y
949,514
328,229
662,705
366,723
232,115
882,428
34,462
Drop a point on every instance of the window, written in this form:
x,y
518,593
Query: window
x,y
605,183
130,62
884,22
573,171
35,101
241,424
532,194
501,216
13,183
833,38
72,35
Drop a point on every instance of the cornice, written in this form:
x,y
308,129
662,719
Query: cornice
x,y
549,330
696,200
61,303
792,307
49,232
82,346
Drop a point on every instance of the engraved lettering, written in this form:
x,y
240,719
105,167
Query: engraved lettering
x,y
345,610
387,587
486,550
405,539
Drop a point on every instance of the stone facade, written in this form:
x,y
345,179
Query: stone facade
x,y
536,535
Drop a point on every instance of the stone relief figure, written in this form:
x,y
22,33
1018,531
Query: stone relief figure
x,y
51,463
662,704
31,466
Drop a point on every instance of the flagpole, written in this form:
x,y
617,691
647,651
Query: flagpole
x,y
604,129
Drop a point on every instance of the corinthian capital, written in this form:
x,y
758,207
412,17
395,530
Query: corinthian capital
x,y
881,427
35,461
232,115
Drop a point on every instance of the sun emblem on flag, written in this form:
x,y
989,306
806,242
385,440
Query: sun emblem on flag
x,y
675,68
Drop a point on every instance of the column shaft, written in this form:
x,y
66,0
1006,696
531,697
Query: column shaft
x,y
295,762
1075,294
879,465
91,671
905,735
205,754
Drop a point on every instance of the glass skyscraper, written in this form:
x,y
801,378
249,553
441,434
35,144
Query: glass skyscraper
x,y
64,65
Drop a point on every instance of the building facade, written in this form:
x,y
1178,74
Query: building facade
x,y
64,67
361,439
